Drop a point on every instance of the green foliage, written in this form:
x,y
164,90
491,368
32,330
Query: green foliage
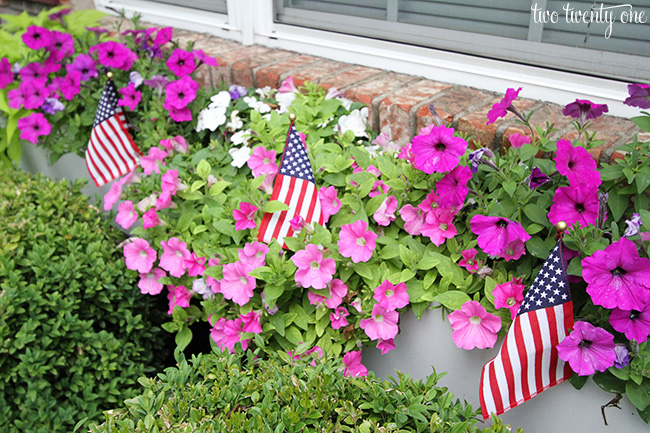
x,y
223,392
75,332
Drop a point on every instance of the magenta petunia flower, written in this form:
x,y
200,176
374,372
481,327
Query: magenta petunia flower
x,y
181,92
385,213
297,223
152,161
576,164
356,241
130,97
313,270
474,327
60,45
181,62
514,250
236,284
178,295
439,226
495,233
36,37
150,219
34,94
452,188
430,203
635,324
517,140
537,178
414,219
33,126
126,214
385,345
195,265
175,253
587,349
149,284
262,161
438,151
97,30
353,366
114,55
163,36
6,75
85,65
583,109
469,261
639,95
139,256
208,60
70,85
391,297
338,318
17,97
34,72
575,204
253,254
382,324
245,216
178,115
509,295
500,109
617,277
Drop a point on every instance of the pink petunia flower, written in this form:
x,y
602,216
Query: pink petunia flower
x,y
353,366
36,37
139,256
587,349
514,250
149,284
635,324
170,182
474,327
337,291
391,297
469,261
517,140
297,223
181,92
386,144
575,204
164,200
126,214
356,241
33,126
495,233
6,75
338,318
262,161
382,324
287,86
85,65
130,97
150,219
430,202
195,265
378,188
215,285
181,62
330,205
114,55
245,216
439,226
385,345
150,163
175,144
509,295
178,295
251,322
313,270
500,109
576,164
438,151
452,188
414,219
253,254
617,277
385,213
175,253
236,284
113,194
583,109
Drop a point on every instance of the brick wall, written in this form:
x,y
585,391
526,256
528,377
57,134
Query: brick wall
x,y
398,103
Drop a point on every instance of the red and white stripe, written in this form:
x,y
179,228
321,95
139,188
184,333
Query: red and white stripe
x,y
111,152
302,198
527,363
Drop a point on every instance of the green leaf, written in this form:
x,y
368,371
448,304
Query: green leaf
x,y
364,270
537,247
406,256
536,214
293,335
618,204
183,337
510,187
272,292
639,395
452,299
642,122
575,267
642,181
608,382
578,381
427,262
203,169
490,285
275,206
218,187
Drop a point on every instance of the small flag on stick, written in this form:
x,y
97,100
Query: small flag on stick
x,y
294,186
528,363
111,152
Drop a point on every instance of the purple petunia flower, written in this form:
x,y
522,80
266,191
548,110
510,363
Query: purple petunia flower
x,y
33,126
587,349
36,37
583,110
181,62
476,158
617,277
573,204
157,82
639,95
85,65
438,150
97,30
537,178
635,324
622,356
236,91
60,14
500,109
6,75
52,105
632,225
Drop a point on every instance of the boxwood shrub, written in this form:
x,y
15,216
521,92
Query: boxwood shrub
x,y
223,392
75,331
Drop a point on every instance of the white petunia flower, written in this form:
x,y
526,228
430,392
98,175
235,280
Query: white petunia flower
x,y
221,99
240,156
211,118
235,122
256,105
200,287
241,137
265,92
346,102
284,100
355,122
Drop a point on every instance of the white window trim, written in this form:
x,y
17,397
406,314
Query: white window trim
x,y
251,22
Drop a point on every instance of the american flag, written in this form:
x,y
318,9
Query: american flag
x,y
294,186
527,363
111,151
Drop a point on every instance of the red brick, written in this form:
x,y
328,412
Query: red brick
x,y
610,130
226,60
270,75
449,104
548,112
243,70
395,117
316,71
349,77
